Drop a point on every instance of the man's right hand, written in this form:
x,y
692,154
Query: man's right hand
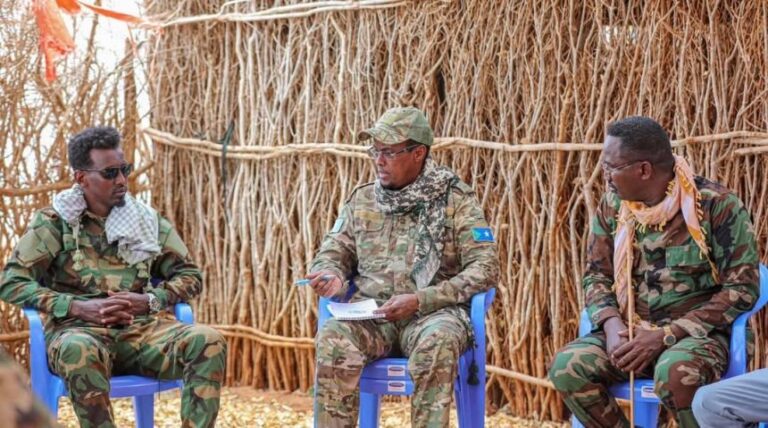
x,y
324,287
106,312
612,327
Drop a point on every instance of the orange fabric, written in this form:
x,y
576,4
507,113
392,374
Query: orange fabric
x,y
54,40
70,6
681,195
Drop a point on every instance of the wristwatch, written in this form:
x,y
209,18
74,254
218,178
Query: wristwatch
x,y
669,337
154,304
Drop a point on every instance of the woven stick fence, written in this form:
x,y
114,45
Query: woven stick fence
x,y
519,93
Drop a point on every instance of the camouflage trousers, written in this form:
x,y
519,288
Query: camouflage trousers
x,y
19,408
86,357
582,372
432,343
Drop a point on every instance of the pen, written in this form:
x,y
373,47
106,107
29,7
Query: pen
x,y
305,281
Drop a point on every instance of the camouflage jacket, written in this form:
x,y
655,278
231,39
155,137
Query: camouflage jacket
x,y
41,274
673,281
376,250
19,408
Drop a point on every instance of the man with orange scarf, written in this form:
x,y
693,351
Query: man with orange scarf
x,y
686,246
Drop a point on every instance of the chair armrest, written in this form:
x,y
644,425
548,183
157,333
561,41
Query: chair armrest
x,y
323,314
585,324
38,355
737,358
184,313
480,304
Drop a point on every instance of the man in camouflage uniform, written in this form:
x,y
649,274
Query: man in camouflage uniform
x,y
686,293
416,240
19,408
86,263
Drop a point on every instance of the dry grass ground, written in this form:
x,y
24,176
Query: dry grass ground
x,y
247,407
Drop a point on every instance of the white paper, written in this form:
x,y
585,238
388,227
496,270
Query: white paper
x,y
362,310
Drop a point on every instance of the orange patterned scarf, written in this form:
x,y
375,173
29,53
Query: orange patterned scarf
x,y
681,195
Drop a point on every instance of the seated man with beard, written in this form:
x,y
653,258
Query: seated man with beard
x,y
415,240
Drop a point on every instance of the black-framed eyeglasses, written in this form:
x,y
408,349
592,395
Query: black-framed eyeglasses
x,y
614,169
111,172
388,154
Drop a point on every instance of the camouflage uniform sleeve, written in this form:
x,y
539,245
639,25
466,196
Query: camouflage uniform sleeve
x,y
338,252
29,263
735,255
181,279
18,405
479,260
600,298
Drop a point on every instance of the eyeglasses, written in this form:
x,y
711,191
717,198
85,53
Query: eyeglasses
x,y
388,154
614,169
111,172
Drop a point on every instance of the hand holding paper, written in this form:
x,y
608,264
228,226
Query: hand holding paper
x,y
399,307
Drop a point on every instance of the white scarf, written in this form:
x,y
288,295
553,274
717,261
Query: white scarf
x,y
134,226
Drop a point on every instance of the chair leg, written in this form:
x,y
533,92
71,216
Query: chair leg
x,y
52,402
470,405
370,408
144,408
575,423
52,395
646,415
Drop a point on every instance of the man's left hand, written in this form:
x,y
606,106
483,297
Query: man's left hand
x,y
399,307
642,350
139,302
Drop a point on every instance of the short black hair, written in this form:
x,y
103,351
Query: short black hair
x,y
81,144
642,138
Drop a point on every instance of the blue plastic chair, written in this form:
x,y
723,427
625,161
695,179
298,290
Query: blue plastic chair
x,y
49,387
389,376
646,401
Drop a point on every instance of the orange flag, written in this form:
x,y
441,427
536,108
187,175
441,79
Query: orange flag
x,y
55,40
70,6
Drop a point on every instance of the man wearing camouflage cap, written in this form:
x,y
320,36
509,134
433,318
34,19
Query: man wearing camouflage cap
x,y
415,240
86,262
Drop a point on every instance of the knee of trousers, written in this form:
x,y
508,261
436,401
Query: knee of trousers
x,y
72,353
207,342
676,381
336,348
436,351
571,371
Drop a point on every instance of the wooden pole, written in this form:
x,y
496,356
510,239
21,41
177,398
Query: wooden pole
x,y
631,326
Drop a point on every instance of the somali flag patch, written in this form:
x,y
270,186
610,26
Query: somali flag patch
x,y
482,234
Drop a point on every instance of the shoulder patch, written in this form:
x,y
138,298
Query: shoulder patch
x,y
338,225
482,234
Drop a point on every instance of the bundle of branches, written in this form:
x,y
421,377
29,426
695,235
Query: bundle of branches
x,y
520,90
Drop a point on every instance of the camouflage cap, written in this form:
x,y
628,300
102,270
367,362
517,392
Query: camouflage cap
x,y
399,124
